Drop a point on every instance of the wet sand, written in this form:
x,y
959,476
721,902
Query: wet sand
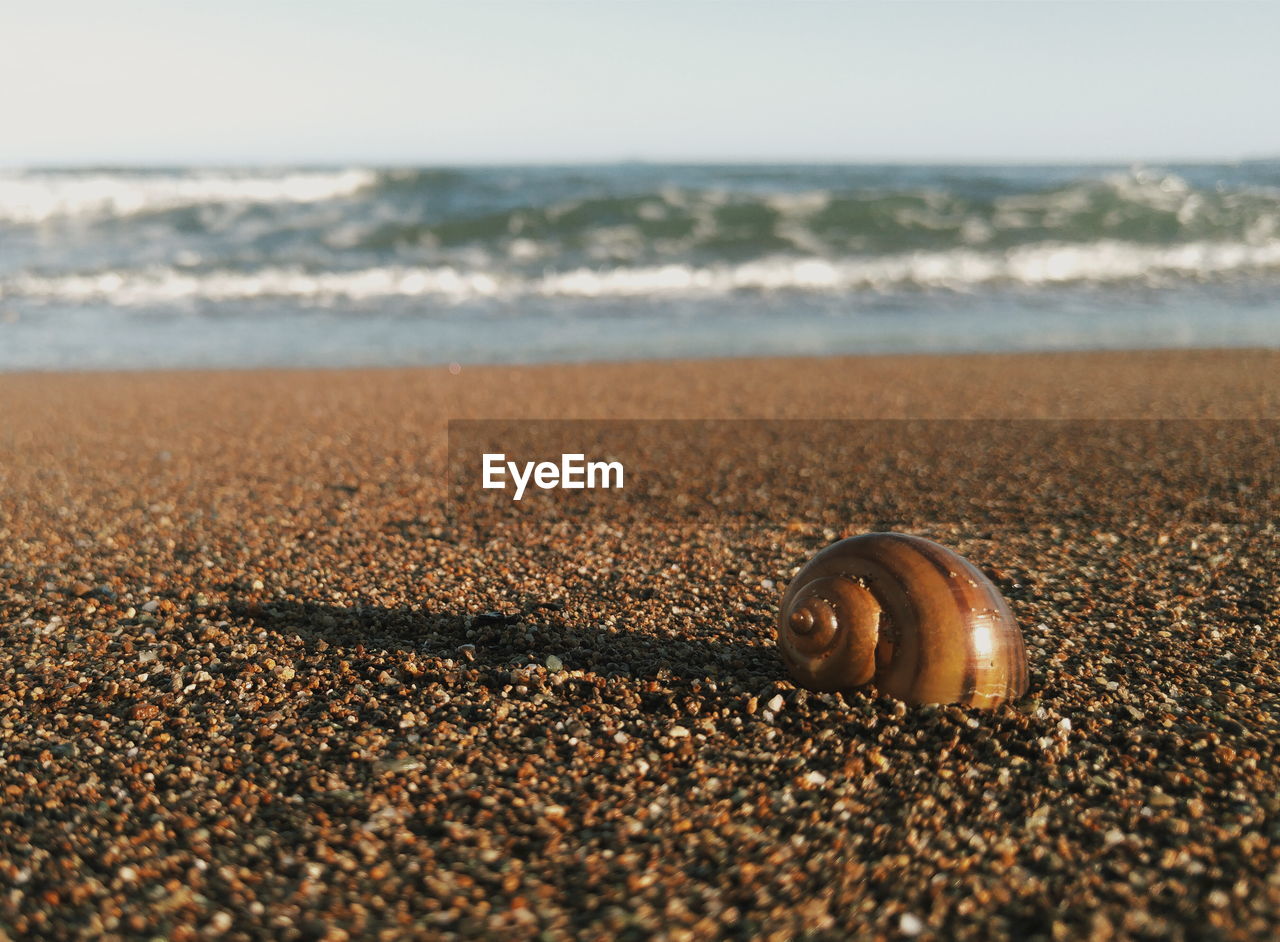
x,y
255,684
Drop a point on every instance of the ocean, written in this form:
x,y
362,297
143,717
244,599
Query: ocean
x,y
107,268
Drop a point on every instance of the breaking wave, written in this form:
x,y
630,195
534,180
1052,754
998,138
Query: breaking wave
x,y
1029,266
35,197
346,239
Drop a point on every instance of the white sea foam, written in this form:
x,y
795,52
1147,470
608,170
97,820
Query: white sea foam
x,y
34,197
162,285
1039,265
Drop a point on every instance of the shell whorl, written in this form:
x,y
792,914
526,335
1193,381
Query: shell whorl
x,y
917,620
830,629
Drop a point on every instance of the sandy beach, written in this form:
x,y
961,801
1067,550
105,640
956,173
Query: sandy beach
x,y
256,684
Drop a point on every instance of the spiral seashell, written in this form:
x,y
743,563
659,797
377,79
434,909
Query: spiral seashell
x,y
918,621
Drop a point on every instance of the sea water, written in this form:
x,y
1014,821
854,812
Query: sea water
x,y
207,267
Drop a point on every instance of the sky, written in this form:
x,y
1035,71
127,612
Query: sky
x,y
536,81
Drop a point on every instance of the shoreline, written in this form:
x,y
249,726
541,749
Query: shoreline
x,y
1070,352
1244,347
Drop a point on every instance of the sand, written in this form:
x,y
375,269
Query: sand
x,y
254,683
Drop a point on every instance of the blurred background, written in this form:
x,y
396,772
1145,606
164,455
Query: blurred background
x,y
277,184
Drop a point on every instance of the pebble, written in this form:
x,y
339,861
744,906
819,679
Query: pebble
x,y
407,764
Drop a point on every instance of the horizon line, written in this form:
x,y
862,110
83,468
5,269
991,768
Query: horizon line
x,y
406,164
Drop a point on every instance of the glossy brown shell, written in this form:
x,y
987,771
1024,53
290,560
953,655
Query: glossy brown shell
x,y
916,620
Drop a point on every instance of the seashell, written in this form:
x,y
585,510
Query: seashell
x,y
913,618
